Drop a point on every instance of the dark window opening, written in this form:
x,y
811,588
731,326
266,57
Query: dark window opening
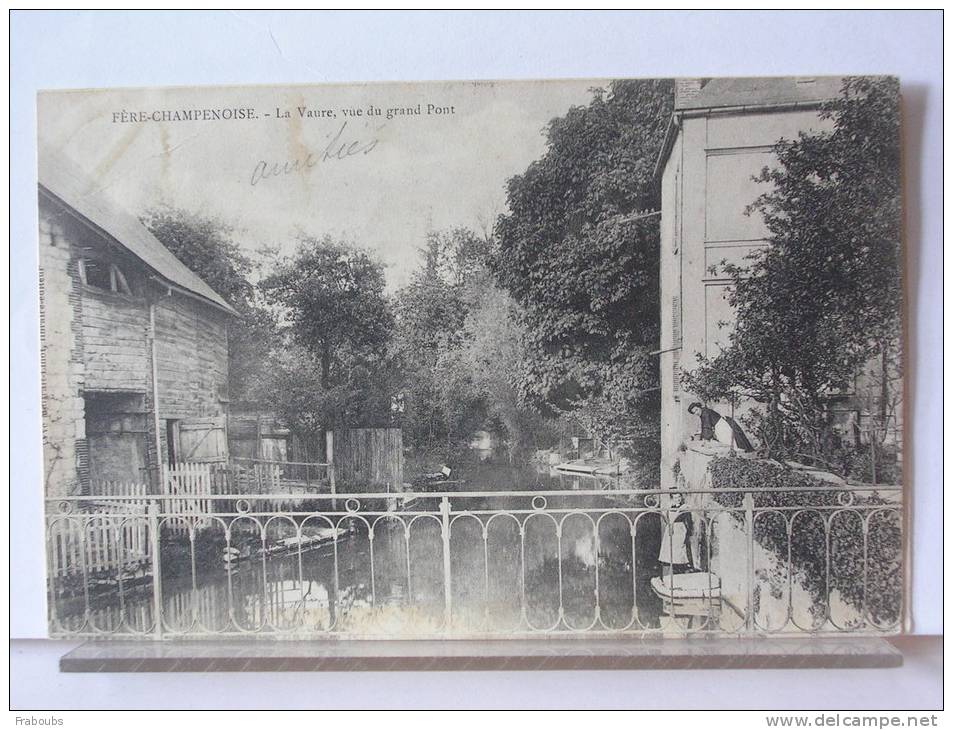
x,y
116,440
102,275
96,274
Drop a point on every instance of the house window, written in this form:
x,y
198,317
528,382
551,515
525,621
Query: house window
x,y
103,275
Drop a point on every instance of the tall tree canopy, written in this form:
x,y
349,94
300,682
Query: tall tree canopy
x,y
338,322
462,347
579,251
333,299
824,297
440,403
493,353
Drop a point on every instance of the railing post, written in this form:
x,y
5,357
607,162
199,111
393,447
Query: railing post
x,y
445,534
329,453
156,567
748,502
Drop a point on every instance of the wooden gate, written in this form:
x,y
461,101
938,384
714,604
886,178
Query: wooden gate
x,y
191,485
368,459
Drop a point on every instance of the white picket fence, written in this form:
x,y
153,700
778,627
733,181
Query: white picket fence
x,y
116,542
190,485
119,542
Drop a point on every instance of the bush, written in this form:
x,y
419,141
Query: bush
x,y
884,586
857,465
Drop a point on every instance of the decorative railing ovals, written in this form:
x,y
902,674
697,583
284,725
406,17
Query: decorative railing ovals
x,y
566,562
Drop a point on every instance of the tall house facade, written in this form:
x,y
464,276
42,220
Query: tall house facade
x,y
722,135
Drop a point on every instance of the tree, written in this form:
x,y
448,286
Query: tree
x,y
494,355
823,297
359,395
208,247
579,252
335,312
462,346
432,307
441,404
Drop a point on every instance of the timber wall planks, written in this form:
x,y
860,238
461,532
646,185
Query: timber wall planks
x,y
115,344
369,458
192,349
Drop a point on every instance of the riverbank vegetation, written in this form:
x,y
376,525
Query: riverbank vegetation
x,y
537,328
826,543
578,250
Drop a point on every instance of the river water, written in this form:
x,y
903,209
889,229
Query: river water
x,y
501,581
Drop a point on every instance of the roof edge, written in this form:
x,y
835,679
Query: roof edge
x,y
99,230
677,116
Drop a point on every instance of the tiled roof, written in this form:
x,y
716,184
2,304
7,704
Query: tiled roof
x,y
62,180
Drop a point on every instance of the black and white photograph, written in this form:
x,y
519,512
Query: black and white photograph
x,y
593,358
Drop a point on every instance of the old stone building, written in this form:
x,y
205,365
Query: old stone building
x,y
722,134
133,344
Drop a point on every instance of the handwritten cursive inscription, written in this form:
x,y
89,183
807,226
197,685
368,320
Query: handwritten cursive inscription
x,y
339,148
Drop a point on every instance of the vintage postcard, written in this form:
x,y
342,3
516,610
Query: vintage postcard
x,y
473,359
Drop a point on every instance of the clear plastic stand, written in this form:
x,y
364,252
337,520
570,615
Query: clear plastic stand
x,y
459,655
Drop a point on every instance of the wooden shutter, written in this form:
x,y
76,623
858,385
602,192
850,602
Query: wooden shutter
x,y
203,440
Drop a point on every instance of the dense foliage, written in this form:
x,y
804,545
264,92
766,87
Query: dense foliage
x,y
873,584
578,251
440,406
461,348
334,367
494,355
822,301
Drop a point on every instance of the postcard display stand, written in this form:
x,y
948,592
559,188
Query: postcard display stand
x,y
456,655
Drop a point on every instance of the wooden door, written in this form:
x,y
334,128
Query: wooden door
x,y
202,440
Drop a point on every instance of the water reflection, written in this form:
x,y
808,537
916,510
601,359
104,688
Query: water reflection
x,y
384,574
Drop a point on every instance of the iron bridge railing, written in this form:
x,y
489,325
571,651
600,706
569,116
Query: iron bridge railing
x,y
477,564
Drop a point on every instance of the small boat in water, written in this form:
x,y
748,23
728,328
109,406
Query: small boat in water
x,y
434,481
316,537
589,466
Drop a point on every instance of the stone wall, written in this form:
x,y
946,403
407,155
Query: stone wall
x,y
61,359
